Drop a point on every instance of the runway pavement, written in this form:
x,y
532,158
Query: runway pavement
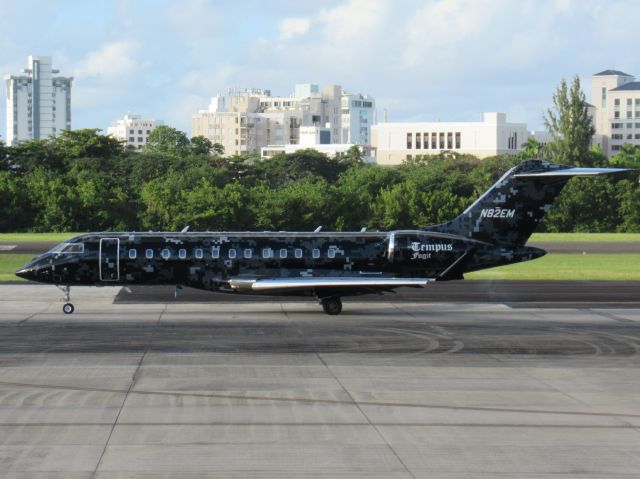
x,y
541,294
278,389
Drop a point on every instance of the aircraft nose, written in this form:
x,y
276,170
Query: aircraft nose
x,y
26,273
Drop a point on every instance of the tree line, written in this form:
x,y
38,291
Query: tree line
x,y
85,181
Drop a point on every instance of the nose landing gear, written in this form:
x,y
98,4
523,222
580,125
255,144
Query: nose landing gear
x,y
331,306
67,308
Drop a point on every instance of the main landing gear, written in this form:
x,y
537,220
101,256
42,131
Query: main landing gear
x,y
68,308
332,305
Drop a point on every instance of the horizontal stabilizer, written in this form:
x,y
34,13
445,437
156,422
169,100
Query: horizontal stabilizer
x,y
335,282
572,172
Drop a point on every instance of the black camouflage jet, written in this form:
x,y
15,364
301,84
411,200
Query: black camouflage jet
x,y
328,265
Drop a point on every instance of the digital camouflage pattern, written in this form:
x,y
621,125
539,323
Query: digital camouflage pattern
x,y
491,232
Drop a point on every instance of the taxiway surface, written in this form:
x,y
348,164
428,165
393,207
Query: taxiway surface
x,y
278,389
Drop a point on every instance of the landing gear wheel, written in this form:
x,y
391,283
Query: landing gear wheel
x,y
68,308
332,306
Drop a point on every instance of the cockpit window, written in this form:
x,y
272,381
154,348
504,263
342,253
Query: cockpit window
x,y
68,248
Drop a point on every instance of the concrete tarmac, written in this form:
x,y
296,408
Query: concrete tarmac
x,y
278,389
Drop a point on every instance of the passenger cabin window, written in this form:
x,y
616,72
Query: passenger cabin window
x,y
165,253
232,253
182,253
283,253
316,253
266,253
331,253
298,253
215,252
248,253
148,253
133,254
199,253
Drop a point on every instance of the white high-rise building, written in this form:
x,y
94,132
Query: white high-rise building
x,y
133,130
38,103
616,102
247,120
358,116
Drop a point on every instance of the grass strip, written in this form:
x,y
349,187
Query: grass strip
x,y
568,267
9,263
36,237
585,237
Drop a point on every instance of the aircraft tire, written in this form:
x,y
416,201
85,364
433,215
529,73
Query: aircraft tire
x,y
332,306
68,308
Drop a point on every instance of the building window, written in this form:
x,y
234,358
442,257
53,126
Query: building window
x,y
425,140
629,101
418,143
457,140
215,252
199,253
629,125
434,142
131,139
298,253
148,254
248,253
283,253
629,113
315,253
232,253
616,136
616,103
604,97
165,253
441,141
616,125
182,253
449,140
140,139
133,254
616,114
409,141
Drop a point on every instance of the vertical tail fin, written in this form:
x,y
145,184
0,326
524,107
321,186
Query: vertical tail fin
x,y
509,211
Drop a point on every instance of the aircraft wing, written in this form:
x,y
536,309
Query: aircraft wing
x,y
272,284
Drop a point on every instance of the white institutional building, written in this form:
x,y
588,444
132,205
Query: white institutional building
x,y
395,142
616,100
245,121
133,130
316,138
38,103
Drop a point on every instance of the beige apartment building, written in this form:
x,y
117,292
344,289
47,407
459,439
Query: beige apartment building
x,y
395,142
616,99
244,121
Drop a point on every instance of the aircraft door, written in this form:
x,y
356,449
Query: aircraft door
x,y
109,259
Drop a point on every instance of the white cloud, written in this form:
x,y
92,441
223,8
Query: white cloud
x,y
437,30
114,60
291,27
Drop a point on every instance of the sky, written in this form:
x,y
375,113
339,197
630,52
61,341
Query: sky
x,y
429,60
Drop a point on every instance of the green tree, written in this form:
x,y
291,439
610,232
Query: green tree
x,y
201,145
531,148
570,125
169,141
86,143
628,156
